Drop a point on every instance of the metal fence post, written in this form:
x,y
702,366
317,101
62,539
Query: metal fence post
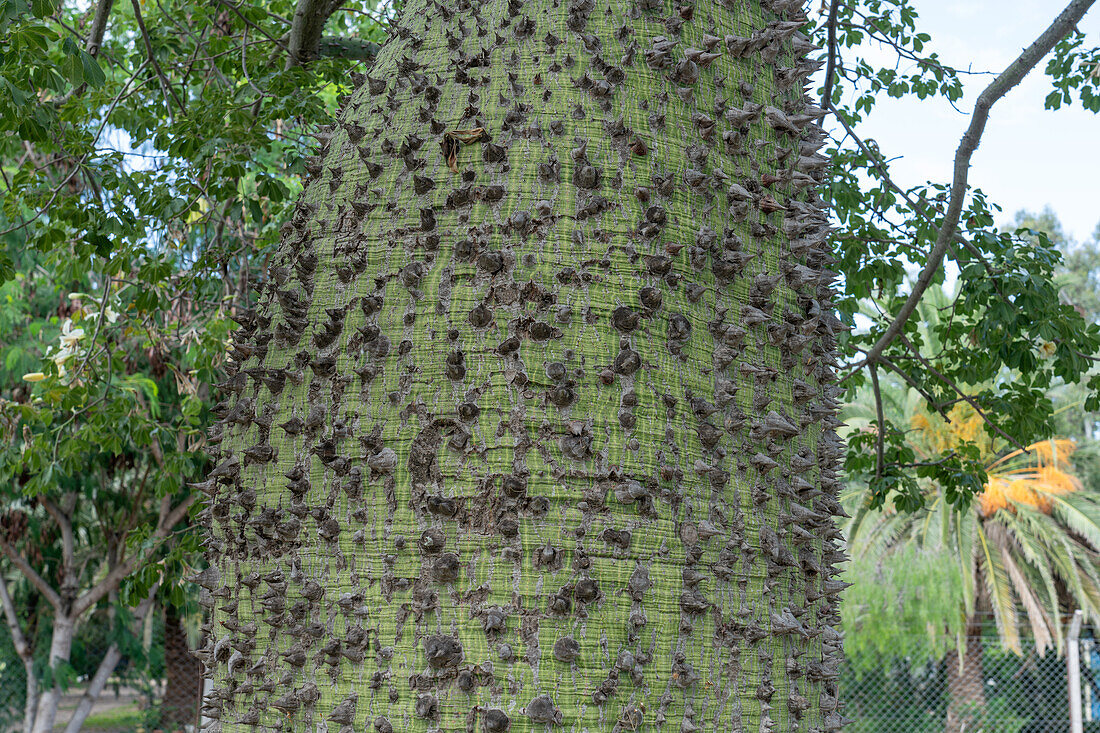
x,y
1073,669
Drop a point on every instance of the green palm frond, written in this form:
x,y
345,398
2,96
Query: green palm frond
x,y
1033,562
1081,514
1038,617
1029,547
999,587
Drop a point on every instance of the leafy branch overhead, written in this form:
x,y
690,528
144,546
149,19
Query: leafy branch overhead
x,y
1009,336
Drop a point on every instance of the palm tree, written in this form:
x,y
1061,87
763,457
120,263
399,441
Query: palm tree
x,y
1025,552
533,423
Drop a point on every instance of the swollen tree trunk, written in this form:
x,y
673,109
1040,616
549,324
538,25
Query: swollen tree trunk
x,y
966,686
534,423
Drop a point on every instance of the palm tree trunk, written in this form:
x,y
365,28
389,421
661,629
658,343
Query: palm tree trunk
x,y
966,686
183,676
534,422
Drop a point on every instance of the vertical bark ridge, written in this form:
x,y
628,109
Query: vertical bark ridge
x,y
545,439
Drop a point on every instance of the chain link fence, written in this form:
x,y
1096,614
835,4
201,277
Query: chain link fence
x,y
13,684
1026,693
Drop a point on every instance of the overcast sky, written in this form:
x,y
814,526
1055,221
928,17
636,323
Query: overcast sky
x,y
1029,156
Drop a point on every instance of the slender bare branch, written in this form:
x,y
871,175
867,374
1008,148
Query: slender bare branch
x,y
22,647
830,65
1005,81
880,437
164,83
31,574
68,545
913,383
965,397
252,25
98,325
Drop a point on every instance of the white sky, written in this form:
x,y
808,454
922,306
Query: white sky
x,y
1029,156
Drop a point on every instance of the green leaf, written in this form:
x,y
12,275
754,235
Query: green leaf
x,y
93,74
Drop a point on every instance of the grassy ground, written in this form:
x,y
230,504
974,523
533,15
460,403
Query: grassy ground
x,y
122,714
123,719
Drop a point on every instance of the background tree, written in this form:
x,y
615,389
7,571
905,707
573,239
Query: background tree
x,y
1078,281
105,194
1023,556
89,509
1010,303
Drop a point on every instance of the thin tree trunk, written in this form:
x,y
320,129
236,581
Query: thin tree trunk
x,y
95,688
30,705
966,686
61,644
106,667
534,423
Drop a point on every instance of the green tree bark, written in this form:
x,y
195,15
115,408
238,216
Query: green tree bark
x,y
533,424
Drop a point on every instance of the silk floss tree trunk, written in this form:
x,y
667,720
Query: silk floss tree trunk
x,y
534,423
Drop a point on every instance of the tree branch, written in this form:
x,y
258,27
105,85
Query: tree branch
x,y
25,652
922,208
63,516
252,25
120,571
965,397
31,574
1007,79
880,437
22,647
347,48
68,545
99,26
106,667
306,26
165,84
830,66
57,190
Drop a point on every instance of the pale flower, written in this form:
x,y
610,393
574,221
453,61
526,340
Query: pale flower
x,y
1047,349
34,377
69,335
63,355
111,313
